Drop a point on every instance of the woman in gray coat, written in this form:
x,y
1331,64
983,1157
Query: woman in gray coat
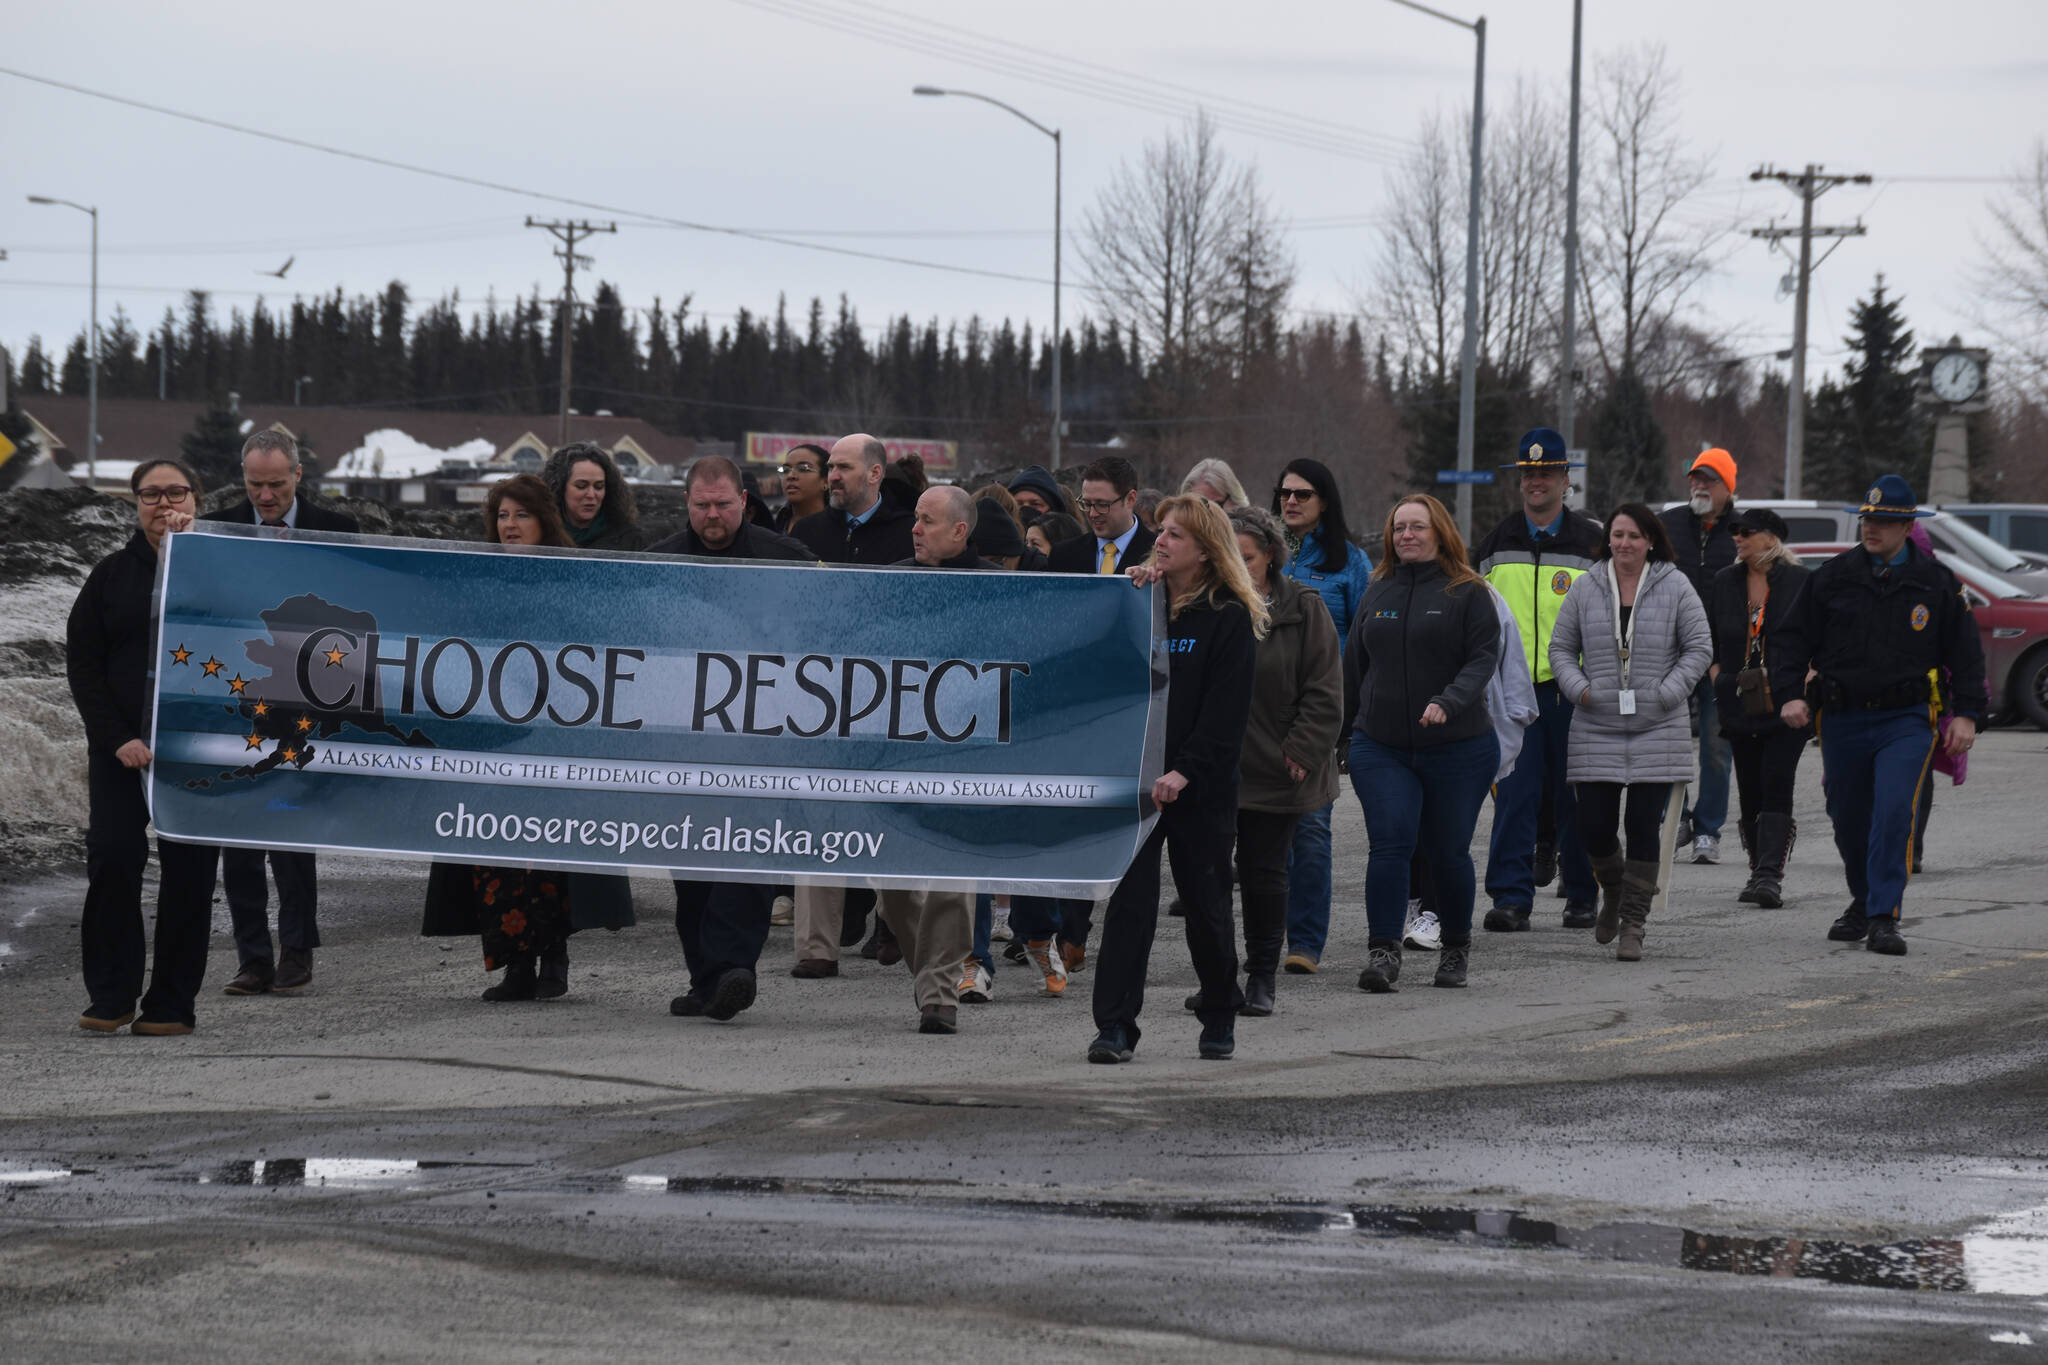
x,y
1631,641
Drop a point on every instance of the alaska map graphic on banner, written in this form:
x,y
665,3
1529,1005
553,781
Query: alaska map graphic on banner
x,y
730,720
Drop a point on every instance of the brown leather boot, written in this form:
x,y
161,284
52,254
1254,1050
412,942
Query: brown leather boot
x,y
1638,889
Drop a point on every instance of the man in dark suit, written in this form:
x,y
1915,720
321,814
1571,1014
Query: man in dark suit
x,y
270,473
1109,499
860,526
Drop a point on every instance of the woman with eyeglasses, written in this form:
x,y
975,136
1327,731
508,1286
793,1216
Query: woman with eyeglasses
x,y
1324,559
524,915
1758,667
803,484
108,658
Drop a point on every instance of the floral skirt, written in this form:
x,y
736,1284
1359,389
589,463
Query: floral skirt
x,y
524,912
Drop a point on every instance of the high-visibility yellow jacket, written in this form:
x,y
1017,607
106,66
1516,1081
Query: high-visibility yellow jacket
x,y
1533,577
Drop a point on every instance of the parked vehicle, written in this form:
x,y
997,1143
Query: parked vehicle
x,y
2011,621
2021,527
1828,523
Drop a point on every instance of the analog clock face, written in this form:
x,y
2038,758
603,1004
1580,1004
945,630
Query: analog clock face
x,y
1956,377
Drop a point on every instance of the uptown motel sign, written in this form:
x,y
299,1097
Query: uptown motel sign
x,y
770,447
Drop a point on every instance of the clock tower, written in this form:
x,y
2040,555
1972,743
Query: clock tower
x,y
1952,383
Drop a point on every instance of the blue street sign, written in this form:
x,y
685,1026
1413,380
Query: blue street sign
x,y
1464,476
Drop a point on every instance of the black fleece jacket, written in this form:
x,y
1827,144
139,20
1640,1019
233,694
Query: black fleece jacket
x,y
1211,658
107,654
1413,643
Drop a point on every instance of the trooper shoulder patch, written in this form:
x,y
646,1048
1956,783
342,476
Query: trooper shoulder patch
x,y
1920,617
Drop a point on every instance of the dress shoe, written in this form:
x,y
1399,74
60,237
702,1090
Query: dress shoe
x,y
889,953
1507,919
687,1006
160,1028
733,993
254,979
106,1020
1850,926
938,1019
815,968
294,970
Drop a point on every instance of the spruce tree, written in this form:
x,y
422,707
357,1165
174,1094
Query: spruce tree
x,y
1628,446
1867,424
214,447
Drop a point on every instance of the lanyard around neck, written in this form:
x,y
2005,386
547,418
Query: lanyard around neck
x,y
1625,636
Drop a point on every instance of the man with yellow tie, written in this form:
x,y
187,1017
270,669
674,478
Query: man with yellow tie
x,y
1109,499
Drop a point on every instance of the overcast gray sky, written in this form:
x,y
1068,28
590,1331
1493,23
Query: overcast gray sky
x,y
738,113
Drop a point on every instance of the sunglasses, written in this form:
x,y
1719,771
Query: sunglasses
x,y
1296,494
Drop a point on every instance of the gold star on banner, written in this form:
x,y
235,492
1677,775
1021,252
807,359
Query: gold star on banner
x,y
305,724
335,656
288,755
212,667
181,655
253,741
260,710
236,684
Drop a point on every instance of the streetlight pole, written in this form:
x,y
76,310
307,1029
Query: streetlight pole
x,y
1468,367
92,369
1568,382
1058,240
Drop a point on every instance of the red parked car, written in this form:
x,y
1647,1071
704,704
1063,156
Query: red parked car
x,y
2012,622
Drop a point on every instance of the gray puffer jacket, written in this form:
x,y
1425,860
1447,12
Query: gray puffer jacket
x,y
1673,647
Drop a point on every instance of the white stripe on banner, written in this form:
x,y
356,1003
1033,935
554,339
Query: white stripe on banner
x,y
923,788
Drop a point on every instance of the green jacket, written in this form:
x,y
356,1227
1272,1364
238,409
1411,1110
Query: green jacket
x,y
1533,579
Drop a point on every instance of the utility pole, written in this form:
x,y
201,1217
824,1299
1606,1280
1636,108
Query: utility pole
x,y
568,234
1809,185
1568,381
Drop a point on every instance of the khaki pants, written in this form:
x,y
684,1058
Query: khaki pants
x,y
935,929
819,910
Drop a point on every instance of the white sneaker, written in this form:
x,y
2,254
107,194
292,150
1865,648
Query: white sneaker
x,y
1706,849
1423,933
783,913
977,987
999,925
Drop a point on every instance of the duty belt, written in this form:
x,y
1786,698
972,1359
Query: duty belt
x,y
1831,694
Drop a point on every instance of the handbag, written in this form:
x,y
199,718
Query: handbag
x,y
1752,682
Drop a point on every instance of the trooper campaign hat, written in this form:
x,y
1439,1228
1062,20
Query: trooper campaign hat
x,y
1890,499
1541,449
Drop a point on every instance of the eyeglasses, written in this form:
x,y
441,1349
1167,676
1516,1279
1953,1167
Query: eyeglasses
x,y
799,469
175,492
1099,504
1296,494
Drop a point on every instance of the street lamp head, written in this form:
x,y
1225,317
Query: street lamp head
x,y
40,199
927,90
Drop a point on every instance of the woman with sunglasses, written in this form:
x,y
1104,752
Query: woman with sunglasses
x,y
1758,667
1322,558
108,658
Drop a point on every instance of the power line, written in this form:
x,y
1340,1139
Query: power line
x,y
1060,72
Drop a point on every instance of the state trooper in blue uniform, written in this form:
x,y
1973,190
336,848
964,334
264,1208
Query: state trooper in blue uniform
x,y
1893,646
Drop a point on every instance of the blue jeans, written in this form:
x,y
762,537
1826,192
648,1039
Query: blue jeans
x,y
1511,859
1710,798
1876,764
1308,884
1427,797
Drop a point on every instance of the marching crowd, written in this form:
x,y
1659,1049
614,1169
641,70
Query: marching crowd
x,y
1585,673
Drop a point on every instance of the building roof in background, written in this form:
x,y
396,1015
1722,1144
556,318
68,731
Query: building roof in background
x,y
142,428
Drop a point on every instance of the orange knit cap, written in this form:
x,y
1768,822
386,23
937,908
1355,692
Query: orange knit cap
x,y
1719,463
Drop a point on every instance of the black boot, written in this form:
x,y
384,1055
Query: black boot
x,y
518,983
1885,938
554,973
1258,995
1747,827
1382,965
1773,841
1850,926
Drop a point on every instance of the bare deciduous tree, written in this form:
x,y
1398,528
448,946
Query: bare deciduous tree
x,y
1642,256
1185,245
2012,279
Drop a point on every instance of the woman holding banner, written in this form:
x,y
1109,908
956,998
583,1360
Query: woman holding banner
x,y
1630,642
524,915
107,658
1214,620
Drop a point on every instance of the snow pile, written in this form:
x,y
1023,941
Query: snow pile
x,y
404,456
106,471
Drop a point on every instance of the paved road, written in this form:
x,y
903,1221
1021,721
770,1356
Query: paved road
x,y
387,1167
